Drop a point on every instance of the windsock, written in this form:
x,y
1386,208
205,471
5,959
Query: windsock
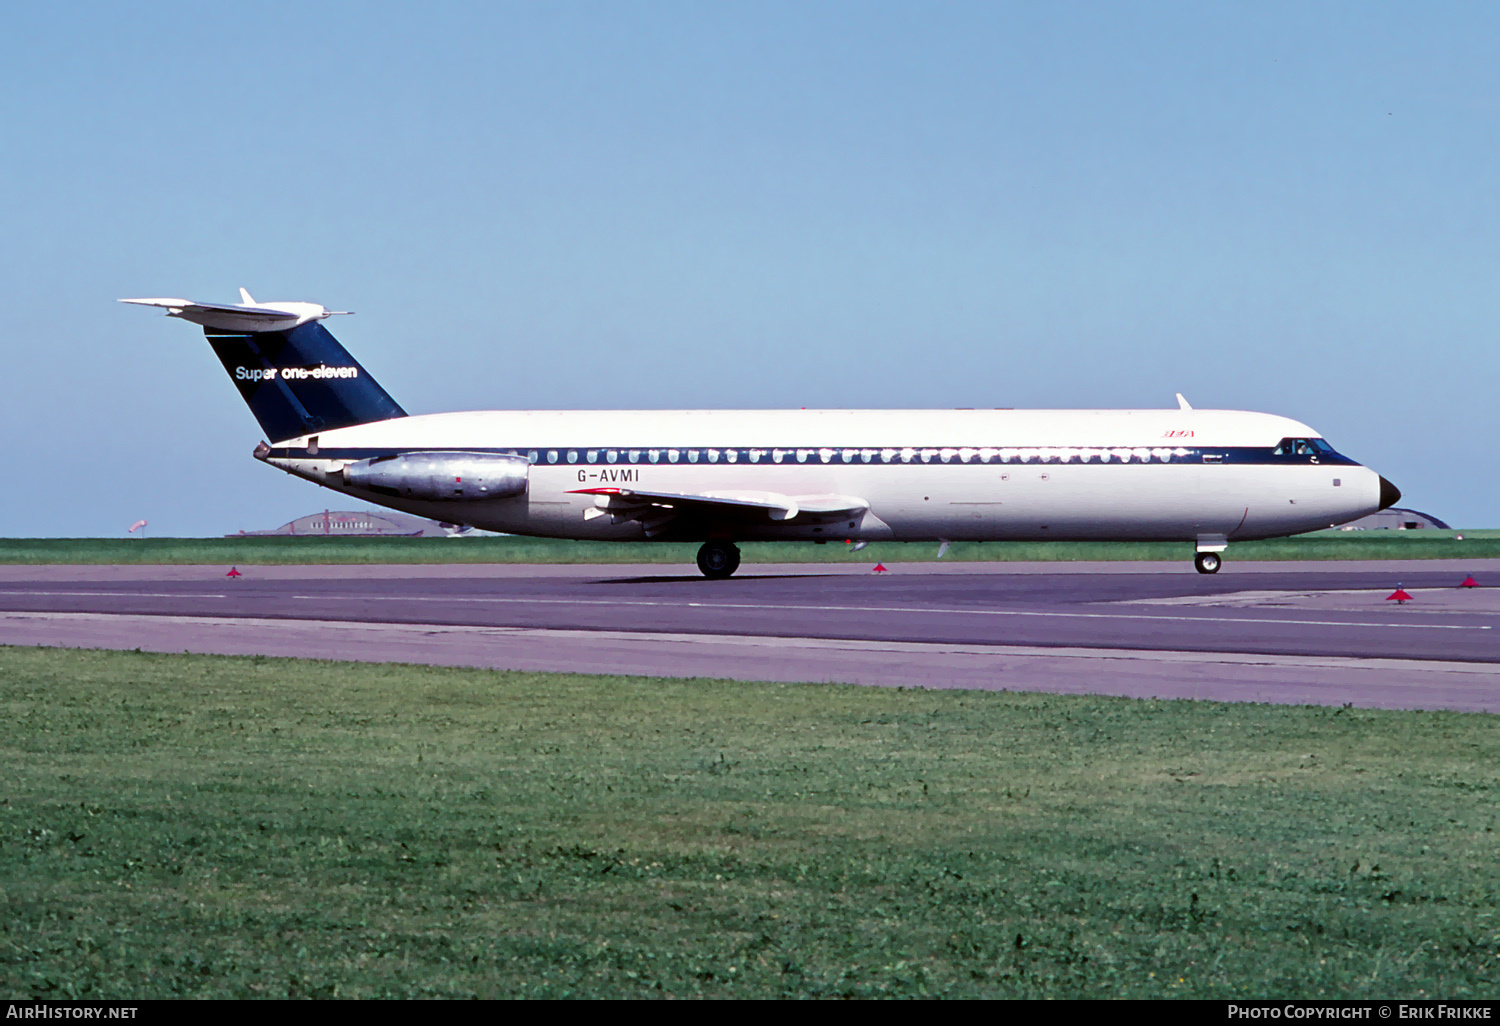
x,y
136,526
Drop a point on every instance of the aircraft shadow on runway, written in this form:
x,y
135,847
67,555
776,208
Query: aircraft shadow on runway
x,y
699,579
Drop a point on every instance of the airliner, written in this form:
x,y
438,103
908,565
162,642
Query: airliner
x,y
1204,477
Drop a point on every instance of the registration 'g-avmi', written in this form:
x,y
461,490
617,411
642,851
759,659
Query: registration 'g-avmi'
x,y
1203,477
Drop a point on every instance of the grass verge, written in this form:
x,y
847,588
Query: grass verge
x,y
269,551
204,826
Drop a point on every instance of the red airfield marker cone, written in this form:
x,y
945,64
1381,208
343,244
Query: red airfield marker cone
x,y
234,571
1399,595
1469,582
880,569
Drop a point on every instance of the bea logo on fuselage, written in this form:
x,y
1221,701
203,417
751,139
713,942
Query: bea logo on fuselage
x,y
319,372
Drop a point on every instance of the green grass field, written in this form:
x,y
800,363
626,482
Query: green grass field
x,y
263,551
201,826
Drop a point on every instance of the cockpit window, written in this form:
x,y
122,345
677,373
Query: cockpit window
x,y
1303,447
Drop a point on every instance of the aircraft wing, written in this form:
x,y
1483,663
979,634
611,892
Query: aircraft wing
x,y
656,510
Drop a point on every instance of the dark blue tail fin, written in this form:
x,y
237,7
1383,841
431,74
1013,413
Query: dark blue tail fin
x,y
300,381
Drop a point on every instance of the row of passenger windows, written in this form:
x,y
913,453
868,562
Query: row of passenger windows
x,y
907,455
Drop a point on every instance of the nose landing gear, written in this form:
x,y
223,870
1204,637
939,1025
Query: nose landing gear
x,y
718,559
1207,562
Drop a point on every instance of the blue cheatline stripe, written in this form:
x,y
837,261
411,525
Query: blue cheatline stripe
x,y
702,456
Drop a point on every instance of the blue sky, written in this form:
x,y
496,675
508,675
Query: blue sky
x,y
1279,207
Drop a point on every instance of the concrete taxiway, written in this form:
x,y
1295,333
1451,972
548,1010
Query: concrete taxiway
x,y
1300,632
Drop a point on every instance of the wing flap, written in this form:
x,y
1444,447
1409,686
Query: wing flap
x,y
746,504
656,510
830,504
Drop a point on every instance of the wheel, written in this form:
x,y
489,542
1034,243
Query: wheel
x,y
718,559
1207,562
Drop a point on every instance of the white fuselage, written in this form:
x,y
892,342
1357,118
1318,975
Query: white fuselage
x,y
1187,475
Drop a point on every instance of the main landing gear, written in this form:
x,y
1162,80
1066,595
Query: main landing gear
x,y
718,559
1206,562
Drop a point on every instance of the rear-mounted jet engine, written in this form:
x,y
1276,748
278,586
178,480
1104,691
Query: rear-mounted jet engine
x,y
445,476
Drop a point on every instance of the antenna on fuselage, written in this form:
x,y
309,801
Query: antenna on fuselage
x,y
1183,404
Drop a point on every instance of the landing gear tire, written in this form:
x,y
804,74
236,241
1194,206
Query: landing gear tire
x,y
1206,562
718,560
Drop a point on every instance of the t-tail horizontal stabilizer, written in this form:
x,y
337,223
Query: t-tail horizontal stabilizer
x,y
291,372
246,316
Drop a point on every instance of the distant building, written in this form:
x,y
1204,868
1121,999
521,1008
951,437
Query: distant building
x,y
365,524
1396,519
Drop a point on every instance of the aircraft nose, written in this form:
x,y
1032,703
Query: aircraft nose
x,y
1389,494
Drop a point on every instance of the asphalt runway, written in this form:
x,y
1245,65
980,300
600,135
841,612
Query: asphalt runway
x,y
1289,632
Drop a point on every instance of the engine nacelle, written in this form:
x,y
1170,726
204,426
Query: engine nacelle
x,y
442,476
